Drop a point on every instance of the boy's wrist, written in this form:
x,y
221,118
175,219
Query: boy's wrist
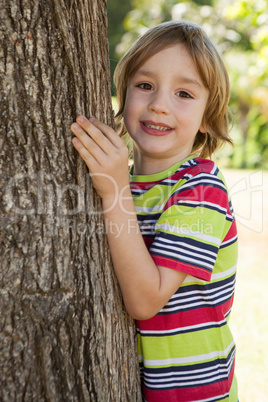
x,y
121,201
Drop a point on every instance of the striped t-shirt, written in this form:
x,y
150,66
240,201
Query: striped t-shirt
x,y
187,351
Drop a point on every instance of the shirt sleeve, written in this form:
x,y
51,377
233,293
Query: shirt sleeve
x,y
194,222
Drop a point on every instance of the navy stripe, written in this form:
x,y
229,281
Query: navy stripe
x,y
182,330
184,248
174,239
190,261
206,287
198,296
201,204
206,373
202,179
196,184
228,243
194,367
153,216
198,261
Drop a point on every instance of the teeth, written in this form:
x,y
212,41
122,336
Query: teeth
x,y
161,128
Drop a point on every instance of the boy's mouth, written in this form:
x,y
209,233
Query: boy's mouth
x,y
161,128
155,128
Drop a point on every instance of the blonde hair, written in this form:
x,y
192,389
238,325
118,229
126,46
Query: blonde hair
x,y
209,65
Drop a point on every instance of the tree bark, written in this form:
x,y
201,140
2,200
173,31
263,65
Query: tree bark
x,y
64,334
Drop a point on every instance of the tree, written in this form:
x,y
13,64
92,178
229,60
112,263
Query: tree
x,y
116,11
64,333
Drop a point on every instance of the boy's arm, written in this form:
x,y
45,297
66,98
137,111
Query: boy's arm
x,y
146,287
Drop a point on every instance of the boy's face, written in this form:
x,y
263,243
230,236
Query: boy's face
x,y
164,108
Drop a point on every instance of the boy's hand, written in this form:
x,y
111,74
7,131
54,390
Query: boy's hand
x,y
104,153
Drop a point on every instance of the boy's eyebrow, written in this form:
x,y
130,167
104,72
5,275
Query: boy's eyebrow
x,y
144,72
189,80
179,78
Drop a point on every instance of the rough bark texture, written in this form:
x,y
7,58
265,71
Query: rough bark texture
x,y
64,335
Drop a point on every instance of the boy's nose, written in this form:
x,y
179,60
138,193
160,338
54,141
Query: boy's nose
x,y
159,103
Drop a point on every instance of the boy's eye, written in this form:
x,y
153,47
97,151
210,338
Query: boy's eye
x,y
184,94
145,86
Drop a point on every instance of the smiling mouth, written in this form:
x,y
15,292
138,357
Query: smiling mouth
x,y
160,128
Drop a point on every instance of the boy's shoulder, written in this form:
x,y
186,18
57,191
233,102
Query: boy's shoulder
x,y
196,166
198,172
199,165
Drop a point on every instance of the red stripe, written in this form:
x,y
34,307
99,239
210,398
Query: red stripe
x,y
183,319
232,232
197,272
201,193
135,185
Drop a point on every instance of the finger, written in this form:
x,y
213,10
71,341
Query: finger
x,y
109,133
95,133
88,158
91,146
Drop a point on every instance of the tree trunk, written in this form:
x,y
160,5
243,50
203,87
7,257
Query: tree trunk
x,y
64,334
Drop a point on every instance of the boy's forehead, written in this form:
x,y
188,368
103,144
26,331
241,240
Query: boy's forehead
x,y
176,48
175,56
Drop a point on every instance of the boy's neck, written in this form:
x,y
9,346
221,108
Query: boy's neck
x,y
144,165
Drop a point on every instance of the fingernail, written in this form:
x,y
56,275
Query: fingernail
x,y
92,119
80,118
75,126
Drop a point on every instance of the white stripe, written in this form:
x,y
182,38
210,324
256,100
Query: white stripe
x,y
187,232
217,206
199,379
189,359
201,302
138,190
188,328
175,383
228,272
184,258
224,243
170,181
182,250
187,176
199,293
147,221
224,274
156,208
213,398
228,312
210,369
214,169
188,246
204,181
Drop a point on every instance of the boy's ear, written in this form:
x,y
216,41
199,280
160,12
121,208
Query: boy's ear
x,y
203,127
202,130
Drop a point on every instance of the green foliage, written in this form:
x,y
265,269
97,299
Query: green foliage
x,y
116,11
239,28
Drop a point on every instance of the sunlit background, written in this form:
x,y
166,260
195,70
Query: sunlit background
x,y
239,28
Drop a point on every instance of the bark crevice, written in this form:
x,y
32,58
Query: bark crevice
x,y
64,334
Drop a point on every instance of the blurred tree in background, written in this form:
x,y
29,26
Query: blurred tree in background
x,y
117,11
239,28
